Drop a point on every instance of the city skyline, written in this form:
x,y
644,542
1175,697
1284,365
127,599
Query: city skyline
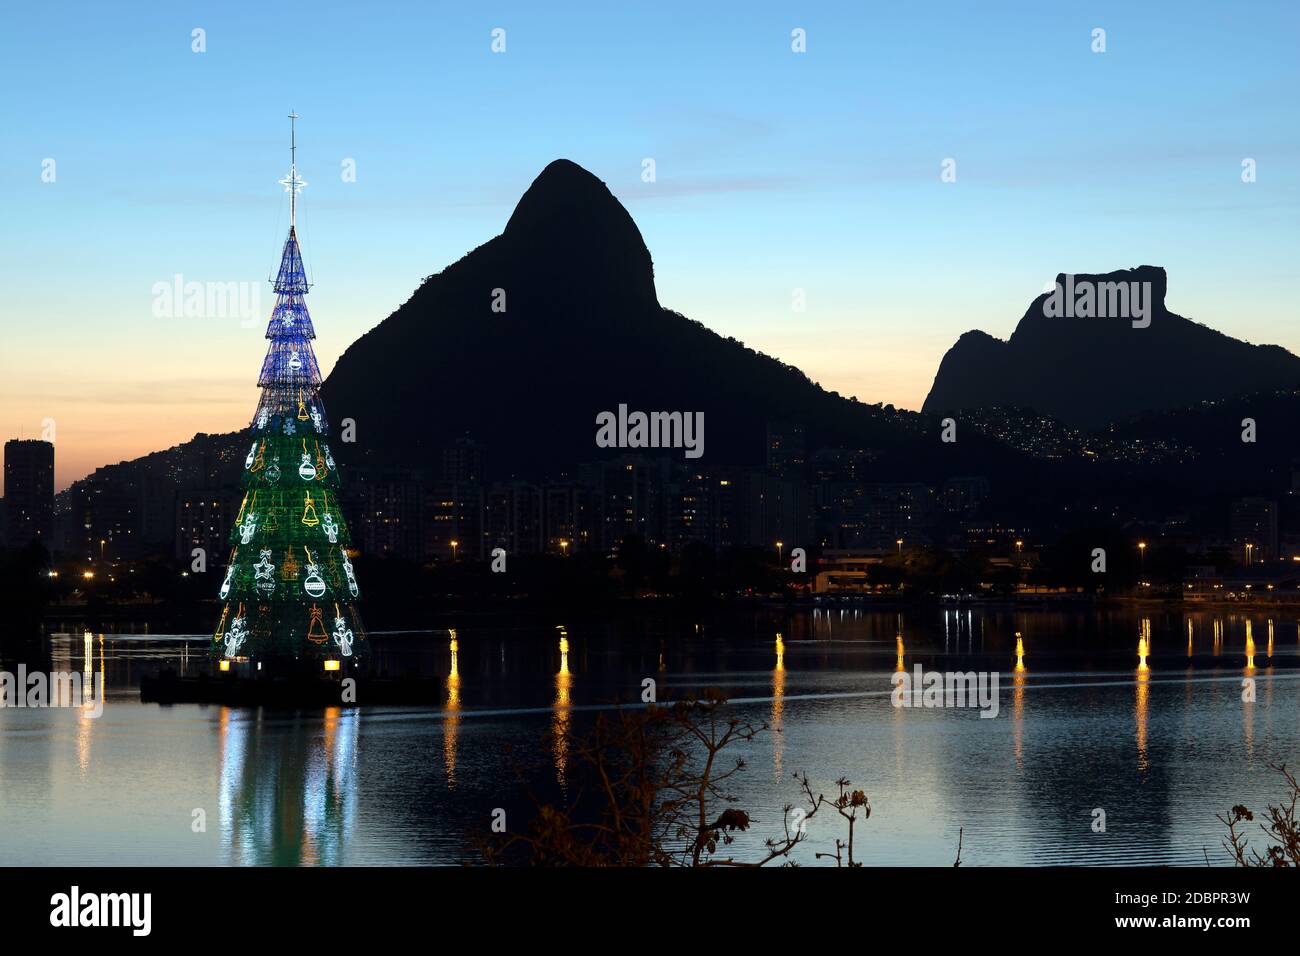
x,y
775,171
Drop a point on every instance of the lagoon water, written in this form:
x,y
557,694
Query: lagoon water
x,y
1139,714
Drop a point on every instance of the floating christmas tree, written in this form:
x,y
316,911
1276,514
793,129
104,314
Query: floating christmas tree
x,y
289,590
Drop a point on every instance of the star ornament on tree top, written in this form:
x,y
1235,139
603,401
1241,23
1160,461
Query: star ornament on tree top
x,y
291,182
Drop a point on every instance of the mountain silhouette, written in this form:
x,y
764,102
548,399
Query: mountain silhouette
x,y
577,329
526,339
1088,370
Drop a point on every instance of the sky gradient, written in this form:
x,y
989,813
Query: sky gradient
x,y
775,171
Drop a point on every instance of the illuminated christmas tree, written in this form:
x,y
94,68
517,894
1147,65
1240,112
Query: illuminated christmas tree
x,y
289,590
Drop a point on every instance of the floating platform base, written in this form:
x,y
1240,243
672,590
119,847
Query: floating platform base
x,y
170,688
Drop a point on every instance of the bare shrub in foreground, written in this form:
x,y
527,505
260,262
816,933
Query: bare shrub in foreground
x,y
1279,825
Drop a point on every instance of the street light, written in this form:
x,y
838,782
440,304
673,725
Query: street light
x,y
779,546
899,542
454,545
564,547
1142,556
102,542
1249,549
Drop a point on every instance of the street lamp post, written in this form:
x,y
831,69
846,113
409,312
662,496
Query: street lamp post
x,y
780,545
454,545
1142,556
899,542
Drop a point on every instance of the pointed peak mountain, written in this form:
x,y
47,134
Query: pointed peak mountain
x,y
579,331
559,190
574,228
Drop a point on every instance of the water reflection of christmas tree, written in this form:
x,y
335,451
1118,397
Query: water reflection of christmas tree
x,y
289,519
309,815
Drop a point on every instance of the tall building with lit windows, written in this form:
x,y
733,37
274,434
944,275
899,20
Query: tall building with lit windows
x,y
1254,530
29,492
785,449
203,520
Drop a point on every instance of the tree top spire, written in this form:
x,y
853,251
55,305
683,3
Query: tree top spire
x,y
291,183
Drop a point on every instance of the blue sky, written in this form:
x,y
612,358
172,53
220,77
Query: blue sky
x,y
775,171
